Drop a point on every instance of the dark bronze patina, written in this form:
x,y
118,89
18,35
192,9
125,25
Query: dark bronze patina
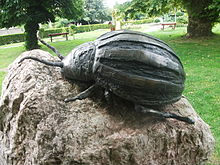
x,y
132,65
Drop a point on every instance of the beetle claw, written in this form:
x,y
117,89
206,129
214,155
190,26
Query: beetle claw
x,y
163,114
69,99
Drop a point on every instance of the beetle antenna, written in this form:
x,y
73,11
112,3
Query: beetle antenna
x,y
57,64
51,47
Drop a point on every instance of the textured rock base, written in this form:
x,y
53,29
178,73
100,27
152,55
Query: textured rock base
x,y
38,128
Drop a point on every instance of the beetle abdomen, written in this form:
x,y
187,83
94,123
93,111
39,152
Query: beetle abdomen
x,y
139,68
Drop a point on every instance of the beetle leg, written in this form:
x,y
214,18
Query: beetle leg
x,y
83,95
108,96
163,114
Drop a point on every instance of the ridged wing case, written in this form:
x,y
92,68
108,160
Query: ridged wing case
x,y
138,67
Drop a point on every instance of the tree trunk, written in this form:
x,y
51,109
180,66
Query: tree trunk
x,y
200,19
31,29
198,27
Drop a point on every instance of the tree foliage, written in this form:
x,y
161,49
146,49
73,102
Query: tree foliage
x,y
202,16
95,12
154,7
121,11
215,6
32,12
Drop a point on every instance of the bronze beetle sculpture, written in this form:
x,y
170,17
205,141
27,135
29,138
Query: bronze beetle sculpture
x,y
132,65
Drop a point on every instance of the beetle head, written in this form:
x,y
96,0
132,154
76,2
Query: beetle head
x,y
77,65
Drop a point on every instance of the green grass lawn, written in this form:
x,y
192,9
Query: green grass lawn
x,y
201,59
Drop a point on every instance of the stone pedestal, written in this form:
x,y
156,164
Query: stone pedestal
x,y
38,128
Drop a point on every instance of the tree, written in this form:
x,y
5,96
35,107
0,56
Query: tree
x,y
121,12
95,12
202,14
32,12
154,7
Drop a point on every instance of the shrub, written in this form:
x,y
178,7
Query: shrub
x,y
138,22
50,31
87,28
182,20
179,13
157,20
12,38
61,22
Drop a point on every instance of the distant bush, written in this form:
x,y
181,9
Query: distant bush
x,y
87,28
182,19
74,29
179,13
61,22
138,22
157,20
45,32
12,38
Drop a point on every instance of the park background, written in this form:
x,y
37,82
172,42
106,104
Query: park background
x,y
200,54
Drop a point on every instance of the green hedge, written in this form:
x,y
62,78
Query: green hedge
x,y
73,29
20,37
12,38
44,33
87,28
138,22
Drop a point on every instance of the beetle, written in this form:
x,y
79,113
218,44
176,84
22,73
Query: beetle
x,y
132,65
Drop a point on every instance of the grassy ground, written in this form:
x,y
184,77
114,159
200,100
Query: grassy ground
x,y
201,61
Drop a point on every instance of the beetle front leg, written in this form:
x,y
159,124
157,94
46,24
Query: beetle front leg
x,y
160,114
108,96
83,95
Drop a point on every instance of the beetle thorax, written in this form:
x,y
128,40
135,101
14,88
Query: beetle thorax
x,y
78,63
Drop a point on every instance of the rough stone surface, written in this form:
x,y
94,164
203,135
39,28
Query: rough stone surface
x,y
38,128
